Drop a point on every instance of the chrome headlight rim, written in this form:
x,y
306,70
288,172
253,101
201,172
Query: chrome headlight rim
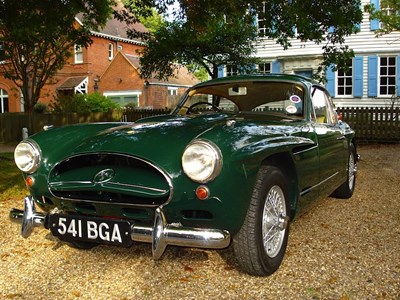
x,y
33,150
214,154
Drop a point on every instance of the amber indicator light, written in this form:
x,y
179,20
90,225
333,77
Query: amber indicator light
x,y
202,192
29,181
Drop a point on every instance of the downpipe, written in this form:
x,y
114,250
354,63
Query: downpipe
x,y
160,235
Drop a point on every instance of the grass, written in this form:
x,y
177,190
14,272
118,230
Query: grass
x,y
12,184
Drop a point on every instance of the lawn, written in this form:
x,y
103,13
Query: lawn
x,y
11,182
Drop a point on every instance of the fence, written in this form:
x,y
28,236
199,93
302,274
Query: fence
x,y
372,124
11,124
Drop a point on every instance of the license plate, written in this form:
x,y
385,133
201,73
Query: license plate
x,y
88,229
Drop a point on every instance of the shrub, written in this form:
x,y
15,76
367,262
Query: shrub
x,y
40,107
130,106
84,103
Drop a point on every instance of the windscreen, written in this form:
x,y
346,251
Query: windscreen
x,y
261,97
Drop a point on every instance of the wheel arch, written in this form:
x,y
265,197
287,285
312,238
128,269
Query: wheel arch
x,y
284,161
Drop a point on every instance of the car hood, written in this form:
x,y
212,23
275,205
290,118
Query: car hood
x,y
162,139
151,137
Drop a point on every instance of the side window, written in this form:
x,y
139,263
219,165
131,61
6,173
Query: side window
x,y
323,107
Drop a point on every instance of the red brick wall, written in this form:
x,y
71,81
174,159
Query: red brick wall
x,y
95,63
14,99
121,76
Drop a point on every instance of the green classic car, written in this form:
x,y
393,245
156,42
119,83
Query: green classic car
x,y
232,164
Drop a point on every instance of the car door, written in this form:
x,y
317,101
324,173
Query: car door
x,y
330,139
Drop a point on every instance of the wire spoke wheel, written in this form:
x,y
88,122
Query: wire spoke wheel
x,y
261,243
274,221
352,170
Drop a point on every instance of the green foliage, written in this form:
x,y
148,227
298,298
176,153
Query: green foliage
x,y
198,71
389,17
40,107
209,44
84,103
38,36
153,22
130,106
210,33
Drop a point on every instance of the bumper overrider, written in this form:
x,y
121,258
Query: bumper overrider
x,y
159,235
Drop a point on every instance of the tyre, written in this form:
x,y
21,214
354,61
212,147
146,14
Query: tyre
x,y
260,244
346,190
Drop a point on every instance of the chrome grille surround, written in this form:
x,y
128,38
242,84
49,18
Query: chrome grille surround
x,y
87,190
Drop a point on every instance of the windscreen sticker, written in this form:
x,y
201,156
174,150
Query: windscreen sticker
x,y
295,99
291,109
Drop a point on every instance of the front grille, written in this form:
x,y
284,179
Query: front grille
x,y
110,178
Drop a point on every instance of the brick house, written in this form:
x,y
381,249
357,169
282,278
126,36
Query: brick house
x,y
121,81
109,65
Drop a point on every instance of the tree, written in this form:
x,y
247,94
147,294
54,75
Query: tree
x,y
193,40
210,33
215,44
388,14
38,37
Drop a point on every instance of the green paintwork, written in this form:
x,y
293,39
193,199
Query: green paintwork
x,y
307,152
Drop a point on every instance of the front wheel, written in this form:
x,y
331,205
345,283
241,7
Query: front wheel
x,y
260,244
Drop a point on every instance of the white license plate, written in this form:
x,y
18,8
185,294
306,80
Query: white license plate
x,y
88,229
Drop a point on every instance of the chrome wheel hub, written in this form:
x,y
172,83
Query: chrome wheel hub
x,y
352,171
274,221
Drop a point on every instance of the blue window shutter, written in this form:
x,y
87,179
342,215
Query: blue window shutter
x,y
374,24
220,71
276,67
358,76
330,81
372,76
398,76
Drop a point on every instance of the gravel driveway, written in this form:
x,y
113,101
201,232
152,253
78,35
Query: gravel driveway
x,y
337,250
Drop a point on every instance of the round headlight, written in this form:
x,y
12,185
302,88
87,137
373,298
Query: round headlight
x,y
27,156
202,161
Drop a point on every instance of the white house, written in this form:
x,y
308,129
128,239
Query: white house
x,y
375,72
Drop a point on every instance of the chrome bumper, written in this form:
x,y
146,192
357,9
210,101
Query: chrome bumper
x,y
160,235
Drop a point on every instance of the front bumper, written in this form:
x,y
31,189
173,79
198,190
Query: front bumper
x,y
160,235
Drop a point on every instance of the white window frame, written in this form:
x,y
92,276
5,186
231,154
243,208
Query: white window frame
x,y
388,76
388,11
261,69
124,93
78,54
231,70
345,76
262,29
172,91
110,51
4,96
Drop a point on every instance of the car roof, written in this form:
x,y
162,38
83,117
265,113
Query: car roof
x,y
259,77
